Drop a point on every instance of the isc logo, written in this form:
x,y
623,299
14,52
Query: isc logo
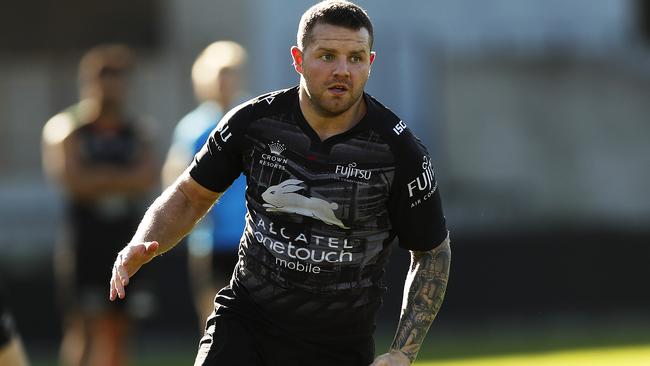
x,y
399,127
223,132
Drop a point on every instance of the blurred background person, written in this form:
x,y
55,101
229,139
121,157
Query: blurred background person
x,y
102,158
218,81
11,347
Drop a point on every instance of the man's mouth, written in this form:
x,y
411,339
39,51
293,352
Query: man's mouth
x,y
338,88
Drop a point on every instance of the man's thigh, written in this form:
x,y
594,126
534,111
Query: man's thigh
x,y
228,342
301,351
233,341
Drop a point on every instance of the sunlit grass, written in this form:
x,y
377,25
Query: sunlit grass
x,y
614,356
609,356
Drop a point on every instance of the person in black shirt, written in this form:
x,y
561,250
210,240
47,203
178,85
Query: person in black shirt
x,y
333,179
102,159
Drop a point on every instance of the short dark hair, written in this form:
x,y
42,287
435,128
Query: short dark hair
x,y
334,12
103,59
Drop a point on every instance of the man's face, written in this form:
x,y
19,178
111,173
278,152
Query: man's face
x,y
335,66
109,85
229,84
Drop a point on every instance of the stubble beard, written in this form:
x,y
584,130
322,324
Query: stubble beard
x,y
331,108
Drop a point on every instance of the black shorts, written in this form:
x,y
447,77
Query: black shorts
x,y
91,246
232,340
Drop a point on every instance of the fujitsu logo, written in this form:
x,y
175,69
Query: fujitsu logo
x,y
276,148
351,171
424,182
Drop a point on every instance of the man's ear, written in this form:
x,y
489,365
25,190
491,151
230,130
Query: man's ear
x,y
296,55
372,59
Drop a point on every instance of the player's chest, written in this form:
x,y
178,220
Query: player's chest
x,y
114,148
338,182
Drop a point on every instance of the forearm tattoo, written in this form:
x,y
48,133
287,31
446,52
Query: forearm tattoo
x,y
423,294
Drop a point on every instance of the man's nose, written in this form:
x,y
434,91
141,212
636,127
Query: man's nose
x,y
342,68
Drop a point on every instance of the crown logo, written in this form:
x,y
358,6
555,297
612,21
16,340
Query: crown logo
x,y
276,148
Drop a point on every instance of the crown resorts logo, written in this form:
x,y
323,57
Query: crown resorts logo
x,y
275,159
276,148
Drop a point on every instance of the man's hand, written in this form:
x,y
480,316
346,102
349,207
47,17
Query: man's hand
x,y
128,262
393,358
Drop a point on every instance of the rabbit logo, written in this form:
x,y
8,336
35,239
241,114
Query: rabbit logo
x,y
281,198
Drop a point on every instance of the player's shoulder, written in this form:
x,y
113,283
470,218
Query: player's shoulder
x,y
393,129
62,125
264,105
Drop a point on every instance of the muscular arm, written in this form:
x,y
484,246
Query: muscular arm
x,y
424,291
174,213
166,222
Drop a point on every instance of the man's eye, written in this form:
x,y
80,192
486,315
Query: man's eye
x,y
327,57
355,59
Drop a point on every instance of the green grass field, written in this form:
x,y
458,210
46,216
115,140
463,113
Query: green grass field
x,y
548,345
559,344
614,356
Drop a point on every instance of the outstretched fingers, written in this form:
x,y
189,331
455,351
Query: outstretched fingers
x,y
127,263
119,277
151,249
123,275
117,289
112,291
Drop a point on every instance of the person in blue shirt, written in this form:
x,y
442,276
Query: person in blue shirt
x,y
217,76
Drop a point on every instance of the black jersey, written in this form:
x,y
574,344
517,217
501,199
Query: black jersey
x,y
115,147
119,148
321,214
98,227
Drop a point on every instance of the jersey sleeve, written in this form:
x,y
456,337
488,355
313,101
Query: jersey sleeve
x,y
415,205
219,162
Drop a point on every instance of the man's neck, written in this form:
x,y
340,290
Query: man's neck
x,y
328,126
102,114
223,103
